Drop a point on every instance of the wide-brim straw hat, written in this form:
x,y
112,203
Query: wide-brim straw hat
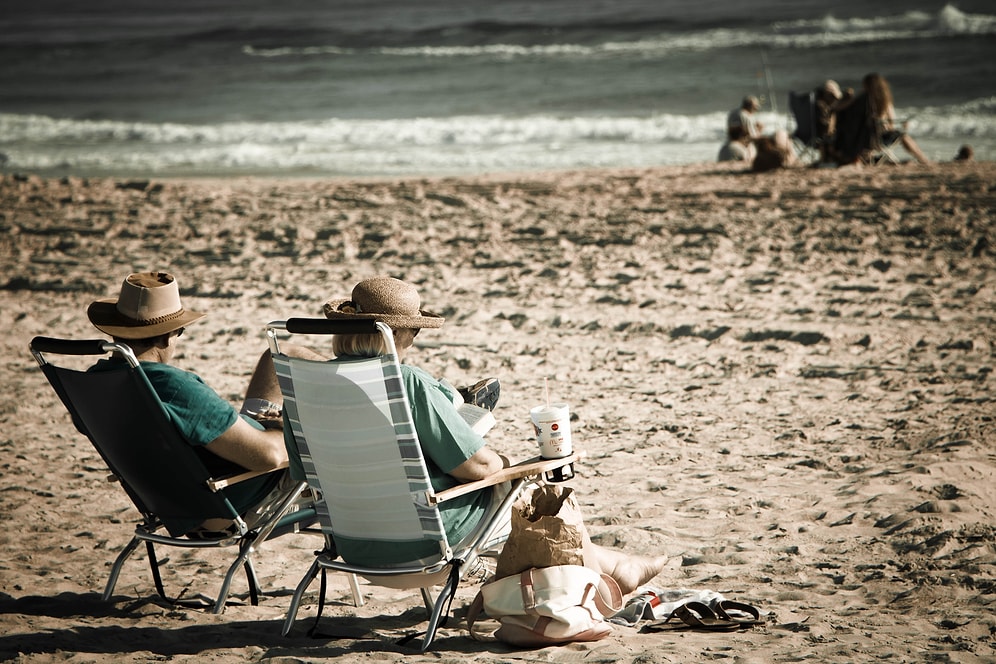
x,y
385,299
148,306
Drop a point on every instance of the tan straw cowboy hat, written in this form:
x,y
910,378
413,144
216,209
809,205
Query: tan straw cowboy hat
x,y
387,300
148,306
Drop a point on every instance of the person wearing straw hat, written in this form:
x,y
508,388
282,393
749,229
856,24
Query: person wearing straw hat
x,y
454,453
148,316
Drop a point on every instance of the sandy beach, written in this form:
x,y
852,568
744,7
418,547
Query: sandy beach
x,y
781,380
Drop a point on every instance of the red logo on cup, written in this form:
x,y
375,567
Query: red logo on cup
x,y
554,426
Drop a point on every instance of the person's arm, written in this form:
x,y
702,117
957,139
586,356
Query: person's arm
x,y
844,102
889,118
251,448
484,463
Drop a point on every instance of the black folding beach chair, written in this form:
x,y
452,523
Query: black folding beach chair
x,y
169,484
802,105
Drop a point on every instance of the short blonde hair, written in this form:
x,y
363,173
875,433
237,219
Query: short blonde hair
x,y
359,345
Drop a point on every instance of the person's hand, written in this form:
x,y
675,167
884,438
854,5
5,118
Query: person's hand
x,y
271,419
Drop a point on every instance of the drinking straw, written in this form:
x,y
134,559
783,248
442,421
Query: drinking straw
x,y
546,391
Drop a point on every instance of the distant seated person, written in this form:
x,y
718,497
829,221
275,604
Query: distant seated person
x,y
774,152
738,146
965,153
148,317
744,119
867,122
828,96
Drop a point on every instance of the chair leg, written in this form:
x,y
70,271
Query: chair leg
x,y
443,601
427,600
255,590
354,585
116,569
157,576
296,599
243,560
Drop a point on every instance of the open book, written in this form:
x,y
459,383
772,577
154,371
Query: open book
x,y
480,419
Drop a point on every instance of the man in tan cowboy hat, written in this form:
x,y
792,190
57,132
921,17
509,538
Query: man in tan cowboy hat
x,y
148,316
453,452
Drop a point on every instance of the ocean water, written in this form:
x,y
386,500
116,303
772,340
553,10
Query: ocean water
x,y
439,87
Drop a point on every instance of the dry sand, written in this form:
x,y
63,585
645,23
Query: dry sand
x,y
781,380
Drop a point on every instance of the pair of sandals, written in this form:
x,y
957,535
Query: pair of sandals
x,y
727,616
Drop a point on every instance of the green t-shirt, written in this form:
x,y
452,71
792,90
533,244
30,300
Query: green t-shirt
x,y
447,441
201,415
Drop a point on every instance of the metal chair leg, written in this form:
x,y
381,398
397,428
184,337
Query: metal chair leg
x,y
442,603
296,599
116,569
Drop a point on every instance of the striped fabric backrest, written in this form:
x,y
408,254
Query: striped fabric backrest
x,y
353,428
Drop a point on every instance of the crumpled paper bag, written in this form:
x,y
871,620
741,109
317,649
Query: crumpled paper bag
x,y
547,530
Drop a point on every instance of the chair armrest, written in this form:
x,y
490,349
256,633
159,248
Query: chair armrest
x,y
535,466
219,484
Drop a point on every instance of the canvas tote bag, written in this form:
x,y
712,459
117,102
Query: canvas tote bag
x,y
548,606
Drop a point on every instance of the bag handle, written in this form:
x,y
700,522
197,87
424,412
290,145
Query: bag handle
x,y
472,614
608,596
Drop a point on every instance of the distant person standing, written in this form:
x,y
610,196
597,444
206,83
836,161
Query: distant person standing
x,y
744,119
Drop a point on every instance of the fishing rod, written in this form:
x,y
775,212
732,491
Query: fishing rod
x,y
770,83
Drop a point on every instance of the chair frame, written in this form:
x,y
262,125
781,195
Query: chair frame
x,y
804,138
152,530
453,563
880,151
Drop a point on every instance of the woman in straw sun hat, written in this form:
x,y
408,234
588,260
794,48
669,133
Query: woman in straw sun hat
x,y
148,316
454,453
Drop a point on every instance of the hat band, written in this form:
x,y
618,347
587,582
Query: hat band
x,y
158,319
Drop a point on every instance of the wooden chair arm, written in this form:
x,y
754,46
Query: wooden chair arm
x,y
219,484
534,466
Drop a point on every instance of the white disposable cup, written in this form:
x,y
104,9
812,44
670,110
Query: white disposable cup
x,y
553,430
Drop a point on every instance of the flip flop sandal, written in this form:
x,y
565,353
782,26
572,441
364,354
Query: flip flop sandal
x,y
744,615
693,616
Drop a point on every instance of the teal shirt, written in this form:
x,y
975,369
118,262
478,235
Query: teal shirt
x,y
201,415
446,441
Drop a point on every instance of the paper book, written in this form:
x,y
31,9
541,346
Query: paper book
x,y
480,419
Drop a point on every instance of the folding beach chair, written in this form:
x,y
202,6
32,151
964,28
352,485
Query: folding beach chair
x,y
352,427
802,105
883,144
119,411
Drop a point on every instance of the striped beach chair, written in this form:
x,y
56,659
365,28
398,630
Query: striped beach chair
x,y
352,430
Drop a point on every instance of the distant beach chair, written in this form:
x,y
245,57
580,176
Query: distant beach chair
x,y
356,443
882,148
802,105
169,484
860,138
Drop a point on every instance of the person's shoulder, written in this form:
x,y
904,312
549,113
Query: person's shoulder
x,y
410,372
163,369
161,373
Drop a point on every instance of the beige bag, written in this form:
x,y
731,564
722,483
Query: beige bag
x,y
549,606
547,530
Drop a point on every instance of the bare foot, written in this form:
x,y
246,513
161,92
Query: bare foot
x,y
631,572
